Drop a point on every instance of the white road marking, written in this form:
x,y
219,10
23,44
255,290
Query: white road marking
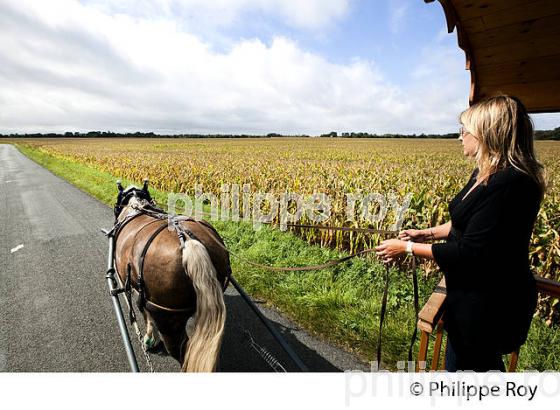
x,y
17,248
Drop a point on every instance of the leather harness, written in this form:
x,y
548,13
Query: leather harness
x,y
182,233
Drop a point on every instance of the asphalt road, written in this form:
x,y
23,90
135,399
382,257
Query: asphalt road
x,y
55,310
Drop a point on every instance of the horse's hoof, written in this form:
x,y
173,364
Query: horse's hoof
x,y
150,342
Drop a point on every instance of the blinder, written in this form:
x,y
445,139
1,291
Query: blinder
x,y
124,196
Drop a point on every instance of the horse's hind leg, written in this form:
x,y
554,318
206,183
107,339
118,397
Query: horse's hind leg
x,y
172,330
151,338
175,344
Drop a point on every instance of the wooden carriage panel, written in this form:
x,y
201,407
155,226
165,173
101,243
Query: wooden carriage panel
x,y
510,15
511,47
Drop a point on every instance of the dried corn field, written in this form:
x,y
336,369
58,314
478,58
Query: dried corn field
x,y
432,170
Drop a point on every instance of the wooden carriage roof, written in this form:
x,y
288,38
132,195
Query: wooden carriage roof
x,y
511,46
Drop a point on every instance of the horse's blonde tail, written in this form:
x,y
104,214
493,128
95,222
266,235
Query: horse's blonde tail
x,y
203,347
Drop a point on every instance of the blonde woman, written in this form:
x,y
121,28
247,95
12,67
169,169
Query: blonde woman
x,y
491,293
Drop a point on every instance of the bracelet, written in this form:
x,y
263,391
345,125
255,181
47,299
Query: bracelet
x,y
409,248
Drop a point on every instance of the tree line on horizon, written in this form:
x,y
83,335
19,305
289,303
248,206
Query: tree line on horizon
x,y
539,135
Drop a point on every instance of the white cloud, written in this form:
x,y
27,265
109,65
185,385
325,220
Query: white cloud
x,y
398,11
546,121
70,66
307,14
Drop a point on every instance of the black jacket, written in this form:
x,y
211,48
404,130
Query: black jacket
x,y
491,293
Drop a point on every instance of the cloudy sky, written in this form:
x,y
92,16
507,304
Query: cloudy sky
x,y
230,66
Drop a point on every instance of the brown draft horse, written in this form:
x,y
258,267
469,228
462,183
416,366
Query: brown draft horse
x,y
175,278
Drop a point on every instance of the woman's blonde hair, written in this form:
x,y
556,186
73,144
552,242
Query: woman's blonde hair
x,y
505,134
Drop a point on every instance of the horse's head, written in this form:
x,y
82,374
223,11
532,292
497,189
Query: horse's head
x,y
131,197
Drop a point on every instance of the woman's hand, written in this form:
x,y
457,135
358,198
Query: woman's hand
x,y
414,235
390,249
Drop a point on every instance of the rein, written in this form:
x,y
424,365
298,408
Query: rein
x,y
345,229
161,215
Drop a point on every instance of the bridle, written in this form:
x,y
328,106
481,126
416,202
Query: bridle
x,y
124,197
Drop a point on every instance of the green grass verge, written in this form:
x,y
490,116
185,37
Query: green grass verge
x,y
341,304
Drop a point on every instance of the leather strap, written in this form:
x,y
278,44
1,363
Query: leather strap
x,y
346,229
140,280
384,309
154,307
416,308
382,316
